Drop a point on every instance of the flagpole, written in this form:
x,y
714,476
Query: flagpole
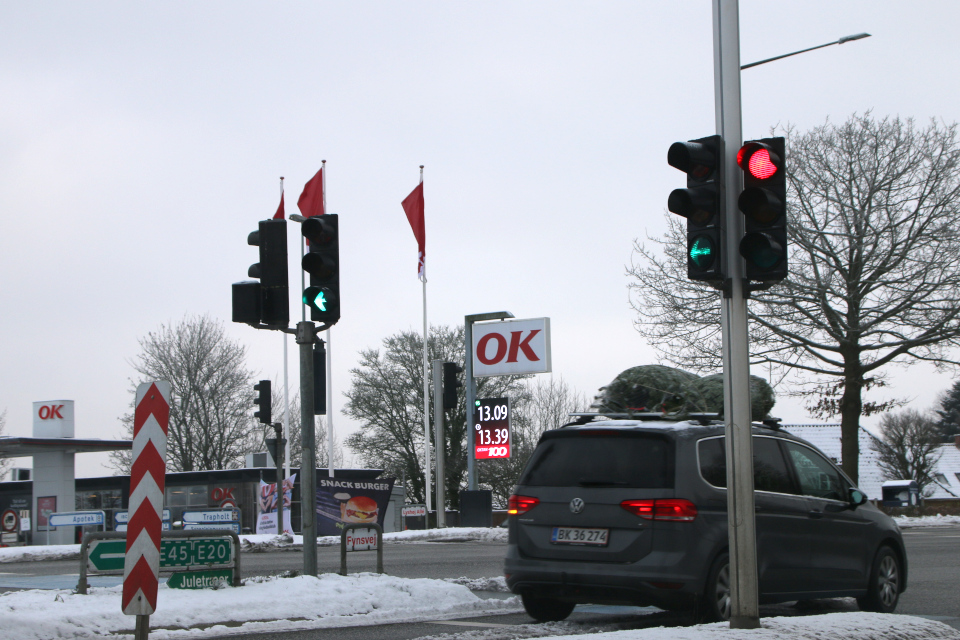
x,y
286,408
426,389
323,176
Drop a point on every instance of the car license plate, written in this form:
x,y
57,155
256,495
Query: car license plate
x,y
578,535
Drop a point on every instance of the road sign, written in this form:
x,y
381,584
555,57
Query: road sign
x,y
221,515
76,518
107,555
123,517
413,511
491,428
511,347
361,539
164,526
225,526
9,521
200,579
147,475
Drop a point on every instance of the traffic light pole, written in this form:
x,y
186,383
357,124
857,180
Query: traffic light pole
x,y
306,335
744,612
440,443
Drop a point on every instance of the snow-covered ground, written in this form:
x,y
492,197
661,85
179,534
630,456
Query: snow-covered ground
x,y
906,522
278,604
330,600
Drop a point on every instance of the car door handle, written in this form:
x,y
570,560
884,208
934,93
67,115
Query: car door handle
x,y
815,514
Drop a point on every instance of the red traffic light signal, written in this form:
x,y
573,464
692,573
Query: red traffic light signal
x,y
763,203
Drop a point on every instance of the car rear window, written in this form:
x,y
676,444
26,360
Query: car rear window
x,y
588,459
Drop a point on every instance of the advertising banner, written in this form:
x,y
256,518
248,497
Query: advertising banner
x,y
267,518
342,502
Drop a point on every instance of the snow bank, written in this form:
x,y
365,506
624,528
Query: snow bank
x,y
907,522
268,604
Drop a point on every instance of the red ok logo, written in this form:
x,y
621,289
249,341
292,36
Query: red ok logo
x,y
502,349
49,412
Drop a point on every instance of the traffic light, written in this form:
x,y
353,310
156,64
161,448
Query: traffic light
x,y
322,262
450,384
266,301
265,401
701,204
764,204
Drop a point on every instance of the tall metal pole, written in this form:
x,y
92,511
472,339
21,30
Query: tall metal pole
x,y
744,611
329,392
471,391
440,442
306,334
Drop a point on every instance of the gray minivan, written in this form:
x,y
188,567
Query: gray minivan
x,y
635,512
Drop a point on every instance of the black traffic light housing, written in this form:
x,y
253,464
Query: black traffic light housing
x,y
266,301
264,400
763,202
702,204
450,383
322,262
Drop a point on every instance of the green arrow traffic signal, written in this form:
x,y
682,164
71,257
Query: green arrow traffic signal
x,y
320,298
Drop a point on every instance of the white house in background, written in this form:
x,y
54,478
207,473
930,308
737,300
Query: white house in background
x,y
826,437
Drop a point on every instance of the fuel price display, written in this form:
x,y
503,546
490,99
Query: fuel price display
x,y
491,421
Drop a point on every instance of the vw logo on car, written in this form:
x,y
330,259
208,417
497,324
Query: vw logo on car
x,y
576,505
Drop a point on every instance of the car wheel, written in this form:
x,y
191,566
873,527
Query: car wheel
x,y
714,604
883,590
546,609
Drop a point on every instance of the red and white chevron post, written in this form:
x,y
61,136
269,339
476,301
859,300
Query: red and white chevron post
x,y
141,566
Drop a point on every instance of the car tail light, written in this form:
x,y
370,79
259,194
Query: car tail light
x,y
642,508
673,509
521,504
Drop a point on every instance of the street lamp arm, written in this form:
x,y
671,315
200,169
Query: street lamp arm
x,y
821,46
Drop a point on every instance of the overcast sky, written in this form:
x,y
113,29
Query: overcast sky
x,y
141,143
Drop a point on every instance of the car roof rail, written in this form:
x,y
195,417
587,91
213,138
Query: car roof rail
x,y
585,417
772,423
704,418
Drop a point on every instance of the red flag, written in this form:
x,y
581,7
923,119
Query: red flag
x,y
413,207
280,214
311,200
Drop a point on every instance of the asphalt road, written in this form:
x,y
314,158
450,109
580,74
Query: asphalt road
x,y
933,586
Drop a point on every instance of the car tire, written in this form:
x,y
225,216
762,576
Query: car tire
x,y
886,578
714,605
546,609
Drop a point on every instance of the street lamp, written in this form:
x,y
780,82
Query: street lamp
x,y
857,36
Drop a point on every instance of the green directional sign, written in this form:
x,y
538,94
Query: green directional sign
x,y
201,579
108,555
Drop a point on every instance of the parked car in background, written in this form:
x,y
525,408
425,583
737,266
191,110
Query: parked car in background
x,y
635,512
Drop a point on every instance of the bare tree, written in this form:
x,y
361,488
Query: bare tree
x,y
874,270
909,447
386,397
211,414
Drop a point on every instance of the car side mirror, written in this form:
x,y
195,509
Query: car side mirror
x,y
857,497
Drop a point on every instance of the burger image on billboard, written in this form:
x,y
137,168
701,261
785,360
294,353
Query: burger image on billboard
x,y
360,509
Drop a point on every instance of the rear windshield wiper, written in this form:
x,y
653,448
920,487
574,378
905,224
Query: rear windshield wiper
x,y
586,482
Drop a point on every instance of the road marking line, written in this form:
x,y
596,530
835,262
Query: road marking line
x,y
460,623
